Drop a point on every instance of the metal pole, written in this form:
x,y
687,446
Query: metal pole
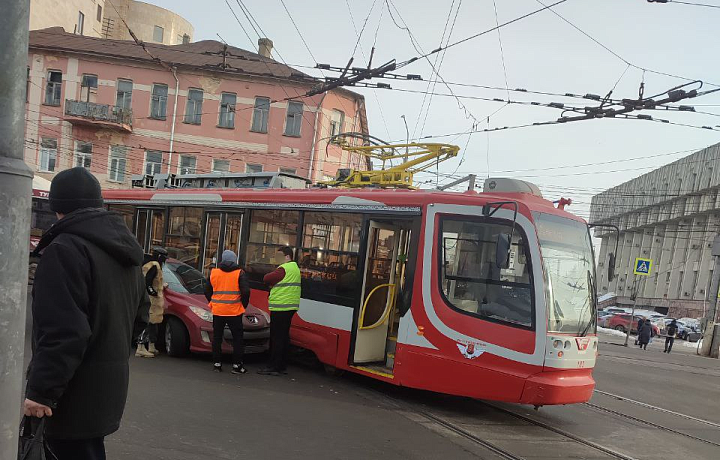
x,y
15,196
174,119
711,313
636,288
407,138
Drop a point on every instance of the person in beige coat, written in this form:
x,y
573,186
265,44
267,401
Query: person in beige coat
x,y
152,270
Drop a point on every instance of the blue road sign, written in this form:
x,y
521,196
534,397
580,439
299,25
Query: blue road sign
x,y
642,266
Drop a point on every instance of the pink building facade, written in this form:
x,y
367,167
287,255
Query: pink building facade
x,y
197,108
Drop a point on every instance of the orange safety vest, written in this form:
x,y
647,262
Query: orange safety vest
x,y
226,296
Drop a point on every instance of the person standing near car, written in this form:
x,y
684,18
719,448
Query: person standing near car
x,y
228,294
89,306
152,270
644,334
283,302
640,322
670,333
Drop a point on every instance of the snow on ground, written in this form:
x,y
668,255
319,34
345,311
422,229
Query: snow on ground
x,y
605,330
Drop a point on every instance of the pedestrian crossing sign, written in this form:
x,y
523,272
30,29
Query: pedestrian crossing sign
x,y
642,266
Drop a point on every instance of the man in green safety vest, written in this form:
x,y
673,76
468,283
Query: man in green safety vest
x,y
283,302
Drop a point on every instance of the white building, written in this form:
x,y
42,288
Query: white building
x,y
670,215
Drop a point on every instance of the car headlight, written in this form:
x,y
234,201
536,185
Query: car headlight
x,y
202,313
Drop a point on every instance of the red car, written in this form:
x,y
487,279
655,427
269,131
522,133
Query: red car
x,y
188,320
620,322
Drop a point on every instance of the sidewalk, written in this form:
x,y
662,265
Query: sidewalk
x,y
657,344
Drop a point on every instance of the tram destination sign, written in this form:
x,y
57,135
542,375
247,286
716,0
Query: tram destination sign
x,y
643,266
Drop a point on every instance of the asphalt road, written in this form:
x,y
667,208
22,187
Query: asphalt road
x,y
179,409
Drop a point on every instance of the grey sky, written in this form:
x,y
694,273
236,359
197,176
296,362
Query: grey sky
x,y
541,52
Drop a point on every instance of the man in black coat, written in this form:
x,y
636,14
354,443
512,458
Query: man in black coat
x,y
89,306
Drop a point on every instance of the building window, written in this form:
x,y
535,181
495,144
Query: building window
x,y
81,23
187,164
118,163
221,166
227,110
336,122
294,117
99,13
83,154
292,171
153,162
260,115
88,88
193,108
469,278
124,94
250,168
54,87
48,154
270,230
158,104
158,34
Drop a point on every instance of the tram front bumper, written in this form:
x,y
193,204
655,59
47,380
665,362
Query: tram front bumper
x,y
569,386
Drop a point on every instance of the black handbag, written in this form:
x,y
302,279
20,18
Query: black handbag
x,y
32,444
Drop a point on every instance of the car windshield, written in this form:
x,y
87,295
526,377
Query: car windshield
x,y
570,273
183,278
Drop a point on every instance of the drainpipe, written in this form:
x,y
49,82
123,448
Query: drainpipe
x,y
172,126
315,135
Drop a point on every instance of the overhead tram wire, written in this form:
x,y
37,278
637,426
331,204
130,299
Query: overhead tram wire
x,y
502,51
252,43
705,5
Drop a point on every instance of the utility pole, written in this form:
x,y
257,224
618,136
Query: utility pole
x,y
407,138
710,347
15,196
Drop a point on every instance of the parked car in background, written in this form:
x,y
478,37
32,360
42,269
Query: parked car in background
x,y
621,321
694,329
188,319
604,317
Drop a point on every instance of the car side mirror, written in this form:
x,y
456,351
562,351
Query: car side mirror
x,y
502,250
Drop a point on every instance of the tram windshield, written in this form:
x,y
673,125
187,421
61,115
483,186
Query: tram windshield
x,y
567,257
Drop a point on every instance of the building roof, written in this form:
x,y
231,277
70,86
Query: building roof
x,y
203,55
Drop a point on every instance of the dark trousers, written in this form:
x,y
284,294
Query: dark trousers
x,y
669,343
150,334
78,449
280,322
236,329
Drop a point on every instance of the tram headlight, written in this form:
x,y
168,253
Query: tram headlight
x,y
557,343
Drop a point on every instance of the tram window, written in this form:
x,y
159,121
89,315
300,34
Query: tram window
x,y
471,280
329,257
42,217
126,211
269,231
183,238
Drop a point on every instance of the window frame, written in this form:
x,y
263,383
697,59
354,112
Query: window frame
x,y
194,168
287,171
158,101
264,114
99,13
125,97
215,160
485,220
83,156
56,87
296,117
146,163
196,105
90,89
81,23
336,124
117,179
248,165
227,111
51,155
157,28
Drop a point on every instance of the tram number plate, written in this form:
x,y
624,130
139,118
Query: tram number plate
x,y
581,364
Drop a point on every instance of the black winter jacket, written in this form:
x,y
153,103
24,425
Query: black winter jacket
x,y
243,283
89,305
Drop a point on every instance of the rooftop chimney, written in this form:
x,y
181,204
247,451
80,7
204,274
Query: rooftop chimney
x,y
265,46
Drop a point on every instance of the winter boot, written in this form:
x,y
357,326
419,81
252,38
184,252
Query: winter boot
x,y
153,350
238,369
142,352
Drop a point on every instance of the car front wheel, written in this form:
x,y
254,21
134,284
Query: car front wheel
x,y
620,328
177,342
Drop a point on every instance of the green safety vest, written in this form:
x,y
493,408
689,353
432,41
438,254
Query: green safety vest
x,y
285,295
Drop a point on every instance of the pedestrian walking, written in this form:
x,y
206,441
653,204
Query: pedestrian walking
x,y
89,306
228,294
639,326
152,270
671,332
283,302
644,334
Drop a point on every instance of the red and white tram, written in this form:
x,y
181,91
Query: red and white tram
x,y
488,295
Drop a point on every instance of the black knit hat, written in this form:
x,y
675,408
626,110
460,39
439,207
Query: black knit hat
x,y
74,189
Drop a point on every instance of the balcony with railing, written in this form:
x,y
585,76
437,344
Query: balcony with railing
x,y
101,115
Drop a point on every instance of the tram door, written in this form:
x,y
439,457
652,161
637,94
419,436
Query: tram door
x,y
222,231
380,286
150,228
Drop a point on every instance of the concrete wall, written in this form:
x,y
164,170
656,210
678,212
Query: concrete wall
x,y
670,215
273,150
142,19
52,13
